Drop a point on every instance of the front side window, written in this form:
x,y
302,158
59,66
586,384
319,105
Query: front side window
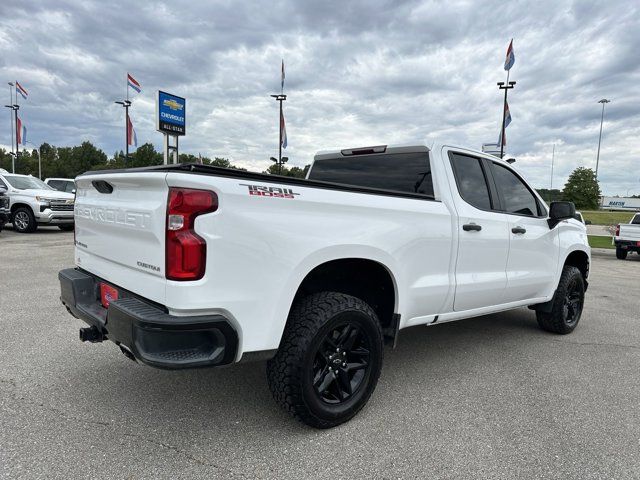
x,y
69,187
516,195
471,181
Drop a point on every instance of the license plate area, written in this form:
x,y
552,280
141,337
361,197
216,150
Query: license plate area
x,y
108,294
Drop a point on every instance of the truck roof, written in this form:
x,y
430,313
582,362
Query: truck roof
x,y
378,149
404,148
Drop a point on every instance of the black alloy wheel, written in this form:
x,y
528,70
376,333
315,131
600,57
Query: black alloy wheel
x,y
329,359
566,305
573,302
341,363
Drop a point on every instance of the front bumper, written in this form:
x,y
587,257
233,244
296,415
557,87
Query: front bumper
x,y
147,331
53,217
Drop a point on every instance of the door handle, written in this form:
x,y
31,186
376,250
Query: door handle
x,y
519,230
468,227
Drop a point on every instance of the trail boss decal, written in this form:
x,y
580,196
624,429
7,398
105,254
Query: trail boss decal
x,y
263,191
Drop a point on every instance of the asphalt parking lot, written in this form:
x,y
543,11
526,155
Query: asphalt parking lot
x,y
492,397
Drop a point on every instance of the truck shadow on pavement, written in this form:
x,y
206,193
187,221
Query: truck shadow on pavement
x,y
235,400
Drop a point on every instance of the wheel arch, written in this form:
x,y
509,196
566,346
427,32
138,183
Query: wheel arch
x,y
364,278
579,259
17,205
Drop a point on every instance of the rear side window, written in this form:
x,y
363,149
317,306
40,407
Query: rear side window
x,y
471,181
400,172
516,195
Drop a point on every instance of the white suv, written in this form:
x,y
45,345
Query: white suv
x,y
33,203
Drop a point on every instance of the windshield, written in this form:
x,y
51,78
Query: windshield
x,y
26,183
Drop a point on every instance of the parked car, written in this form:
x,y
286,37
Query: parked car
x,y
627,237
33,202
4,208
192,265
62,184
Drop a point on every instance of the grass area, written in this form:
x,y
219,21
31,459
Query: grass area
x,y
606,217
600,242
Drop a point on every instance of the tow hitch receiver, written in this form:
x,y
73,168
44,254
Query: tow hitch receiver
x,y
91,334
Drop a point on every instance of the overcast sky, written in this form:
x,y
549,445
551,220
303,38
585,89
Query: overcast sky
x,y
357,73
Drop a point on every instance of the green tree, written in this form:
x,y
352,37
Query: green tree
x,y
550,195
296,172
582,189
146,156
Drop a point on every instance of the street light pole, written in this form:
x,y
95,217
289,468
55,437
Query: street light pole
x,y
126,104
504,86
603,102
280,98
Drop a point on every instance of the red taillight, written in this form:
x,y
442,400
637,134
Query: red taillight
x,y
617,230
186,250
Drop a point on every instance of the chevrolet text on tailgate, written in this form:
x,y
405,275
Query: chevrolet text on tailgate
x,y
187,266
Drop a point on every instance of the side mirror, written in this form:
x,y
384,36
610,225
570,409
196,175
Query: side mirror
x,y
559,211
73,191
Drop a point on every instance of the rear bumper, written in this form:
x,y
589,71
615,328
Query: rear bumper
x,y
630,245
146,330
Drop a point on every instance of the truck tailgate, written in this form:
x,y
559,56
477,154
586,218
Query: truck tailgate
x,y
630,232
120,222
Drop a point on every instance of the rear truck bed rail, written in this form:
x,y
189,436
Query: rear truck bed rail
x,y
147,332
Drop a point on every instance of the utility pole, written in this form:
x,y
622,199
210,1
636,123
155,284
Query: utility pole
x,y
504,86
603,102
126,104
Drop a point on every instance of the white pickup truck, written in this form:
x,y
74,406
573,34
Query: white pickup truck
x,y
627,237
193,266
33,203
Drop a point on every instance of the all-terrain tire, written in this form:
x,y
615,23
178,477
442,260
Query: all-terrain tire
x,y
621,253
23,220
316,321
567,303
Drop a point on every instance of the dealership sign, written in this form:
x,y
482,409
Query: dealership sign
x,y
170,114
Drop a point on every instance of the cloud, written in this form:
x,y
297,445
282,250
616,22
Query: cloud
x,y
358,73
